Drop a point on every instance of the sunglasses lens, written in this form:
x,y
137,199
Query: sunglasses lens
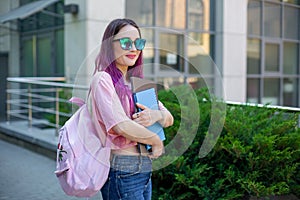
x,y
139,44
126,43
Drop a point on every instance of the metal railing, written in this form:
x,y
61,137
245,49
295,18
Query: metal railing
x,y
283,108
33,98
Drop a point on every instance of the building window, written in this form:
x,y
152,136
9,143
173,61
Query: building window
x,y
42,42
253,89
196,15
272,20
273,52
291,26
27,58
271,91
141,11
296,2
254,18
290,58
171,14
197,54
181,44
272,59
289,95
171,53
253,56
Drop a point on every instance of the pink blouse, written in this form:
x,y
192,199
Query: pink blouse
x,y
107,110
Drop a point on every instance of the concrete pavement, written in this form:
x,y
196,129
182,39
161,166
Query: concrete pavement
x,y
26,175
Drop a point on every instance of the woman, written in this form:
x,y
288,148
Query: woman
x,y
119,59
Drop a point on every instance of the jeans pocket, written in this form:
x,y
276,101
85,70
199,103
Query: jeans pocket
x,y
133,184
124,174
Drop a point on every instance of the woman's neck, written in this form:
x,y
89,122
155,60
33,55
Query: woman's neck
x,y
123,69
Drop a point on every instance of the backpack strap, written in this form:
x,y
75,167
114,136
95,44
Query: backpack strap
x,y
78,101
139,148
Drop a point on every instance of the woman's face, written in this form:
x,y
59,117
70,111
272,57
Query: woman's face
x,y
125,58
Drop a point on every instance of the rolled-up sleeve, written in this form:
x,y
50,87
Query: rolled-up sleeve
x,y
161,106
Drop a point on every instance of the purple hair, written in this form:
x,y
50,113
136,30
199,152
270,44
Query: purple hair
x,y
105,61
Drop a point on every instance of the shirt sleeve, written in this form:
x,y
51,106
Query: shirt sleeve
x,y
107,101
161,106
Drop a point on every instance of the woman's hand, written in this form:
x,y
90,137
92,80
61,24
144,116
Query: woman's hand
x,y
157,150
146,117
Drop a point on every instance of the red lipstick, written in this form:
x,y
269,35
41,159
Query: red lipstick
x,y
131,56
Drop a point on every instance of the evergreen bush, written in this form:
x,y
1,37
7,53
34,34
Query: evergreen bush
x,y
256,155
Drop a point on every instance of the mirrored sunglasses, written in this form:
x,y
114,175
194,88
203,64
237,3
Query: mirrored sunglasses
x,y
126,43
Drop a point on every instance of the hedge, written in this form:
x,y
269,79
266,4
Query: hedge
x,y
256,155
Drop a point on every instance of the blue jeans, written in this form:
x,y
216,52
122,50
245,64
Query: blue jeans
x,y
129,178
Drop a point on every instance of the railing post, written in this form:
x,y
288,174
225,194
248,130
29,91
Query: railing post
x,y
29,106
56,111
8,104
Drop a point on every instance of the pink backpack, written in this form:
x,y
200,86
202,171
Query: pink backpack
x,y
82,163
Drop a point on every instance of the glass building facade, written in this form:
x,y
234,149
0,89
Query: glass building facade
x,y
183,37
273,58
258,54
42,42
273,32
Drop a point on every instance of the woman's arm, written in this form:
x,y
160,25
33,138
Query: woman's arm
x,y
108,108
147,117
136,132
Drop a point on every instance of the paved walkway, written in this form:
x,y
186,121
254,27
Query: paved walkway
x,y
27,175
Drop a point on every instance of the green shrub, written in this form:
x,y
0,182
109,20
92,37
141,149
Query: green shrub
x,y
257,154
64,107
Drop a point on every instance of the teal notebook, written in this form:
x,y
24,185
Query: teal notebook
x,y
148,98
